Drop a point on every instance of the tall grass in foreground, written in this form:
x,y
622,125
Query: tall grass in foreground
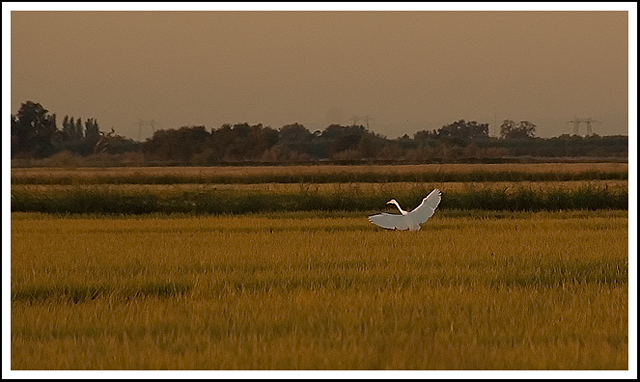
x,y
294,291
99,200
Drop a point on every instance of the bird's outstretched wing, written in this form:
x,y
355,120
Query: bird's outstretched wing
x,y
427,208
390,221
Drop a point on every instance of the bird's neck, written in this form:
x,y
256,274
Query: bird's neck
x,y
400,209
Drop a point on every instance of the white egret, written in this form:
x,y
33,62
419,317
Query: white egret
x,y
408,220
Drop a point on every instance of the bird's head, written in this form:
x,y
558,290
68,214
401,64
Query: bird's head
x,y
392,201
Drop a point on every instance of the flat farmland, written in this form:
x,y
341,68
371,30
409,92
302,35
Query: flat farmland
x,y
301,291
281,197
324,173
222,190
322,188
521,267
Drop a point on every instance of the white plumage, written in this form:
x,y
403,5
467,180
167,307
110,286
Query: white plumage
x,y
408,220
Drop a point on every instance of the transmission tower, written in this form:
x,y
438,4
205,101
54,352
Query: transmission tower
x,y
588,122
576,125
366,119
142,123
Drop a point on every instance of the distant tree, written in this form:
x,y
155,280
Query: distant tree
x,y
68,130
260,139
71,128
510,130
338,131
344,143
242,130
370,144
342,138
294,133
112,143
82,140
65,122
406,142
242,141
390,151
462,130
424,135
294,140
527,129
176,146
34,134
92,130
506,128
32,130
471,151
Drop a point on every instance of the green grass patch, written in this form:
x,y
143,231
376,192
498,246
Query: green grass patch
x,y
228,201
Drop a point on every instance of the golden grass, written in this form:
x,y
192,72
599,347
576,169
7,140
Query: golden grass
x,y
320,170
299,291
323,188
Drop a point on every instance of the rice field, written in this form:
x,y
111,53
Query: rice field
x,y
509,274
324,174
300,291
196,199
321,188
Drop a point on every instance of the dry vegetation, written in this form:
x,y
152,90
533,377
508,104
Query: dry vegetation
x,y
298,291
221,190
323,174
486,284
321,188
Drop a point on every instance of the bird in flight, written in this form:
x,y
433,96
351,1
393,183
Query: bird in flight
x,y
408,220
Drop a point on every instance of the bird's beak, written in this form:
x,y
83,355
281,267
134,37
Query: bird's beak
x,y
389,202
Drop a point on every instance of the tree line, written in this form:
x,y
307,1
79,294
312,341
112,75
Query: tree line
x,y
35,134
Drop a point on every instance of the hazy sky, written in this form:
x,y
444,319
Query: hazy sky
x,y
407,70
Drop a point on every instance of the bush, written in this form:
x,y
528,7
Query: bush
x,y
64,159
